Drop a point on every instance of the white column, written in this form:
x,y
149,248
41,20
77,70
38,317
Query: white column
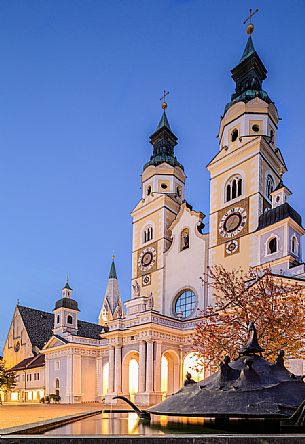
x,y
142,366
69,379
99,377
118,369
157,379
150,367
111,370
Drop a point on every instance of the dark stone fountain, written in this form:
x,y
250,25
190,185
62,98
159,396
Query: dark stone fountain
x,y
248,387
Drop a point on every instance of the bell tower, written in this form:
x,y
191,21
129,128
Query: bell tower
x,y
163,182
248,166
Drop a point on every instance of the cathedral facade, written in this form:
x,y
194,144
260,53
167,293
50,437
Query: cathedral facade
x,y
143,348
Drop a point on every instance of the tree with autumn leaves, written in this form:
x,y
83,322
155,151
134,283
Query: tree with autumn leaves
x,y
274,303
7,379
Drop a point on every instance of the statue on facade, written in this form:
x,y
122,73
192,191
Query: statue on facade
x,y
185,240
150,302
136,289
189,379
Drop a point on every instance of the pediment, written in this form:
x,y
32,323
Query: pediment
x,y
54,341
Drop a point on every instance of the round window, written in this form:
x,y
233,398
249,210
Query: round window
x,y
255,128
164,186
185,304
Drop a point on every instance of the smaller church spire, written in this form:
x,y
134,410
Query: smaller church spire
x,y
112,274
163,141
249,49
112,307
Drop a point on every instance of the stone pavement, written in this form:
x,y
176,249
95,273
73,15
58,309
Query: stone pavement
x,y
12,415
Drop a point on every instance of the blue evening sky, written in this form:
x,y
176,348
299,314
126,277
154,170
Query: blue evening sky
x,y
80,82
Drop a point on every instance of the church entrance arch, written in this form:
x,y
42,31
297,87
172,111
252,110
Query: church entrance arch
x,y
191,365
170,373
130,374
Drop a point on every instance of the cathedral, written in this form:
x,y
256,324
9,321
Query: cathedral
x,y
142,348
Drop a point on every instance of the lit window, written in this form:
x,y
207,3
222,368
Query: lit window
x,y
185,304
272,245
234,187
148,234
234,135
269,186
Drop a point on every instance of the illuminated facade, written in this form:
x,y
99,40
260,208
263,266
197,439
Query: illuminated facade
x,y
142,348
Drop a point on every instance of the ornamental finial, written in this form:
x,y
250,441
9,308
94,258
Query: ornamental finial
x,y
164,104
250,27
113,255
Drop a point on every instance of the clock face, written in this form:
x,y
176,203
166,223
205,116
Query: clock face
x,y
232,247
147,258
232,222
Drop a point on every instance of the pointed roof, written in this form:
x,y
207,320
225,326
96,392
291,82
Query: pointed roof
x,y
67,286
249,75
163,141
112,274
249,49
163,122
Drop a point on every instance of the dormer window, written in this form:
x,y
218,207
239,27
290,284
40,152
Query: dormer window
x,y
234,187
148,234
234,135
272,245
269,186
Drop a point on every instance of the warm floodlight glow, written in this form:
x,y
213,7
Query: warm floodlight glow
x,y
133,376
105,378
164,374
190,364
133,421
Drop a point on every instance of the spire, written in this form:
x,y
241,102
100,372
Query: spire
x,y
249,49
163,122
163,141
250,72
112,274
67,286
112,307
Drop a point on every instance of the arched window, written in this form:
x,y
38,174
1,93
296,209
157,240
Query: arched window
x,y
269,186
272,245
58,319
234,135
294,245
185,304
184,239
148,190
271,136
70,319
148,234
57,383
234,187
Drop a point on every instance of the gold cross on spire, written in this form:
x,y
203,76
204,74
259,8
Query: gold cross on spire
x,y
164,104
250,27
